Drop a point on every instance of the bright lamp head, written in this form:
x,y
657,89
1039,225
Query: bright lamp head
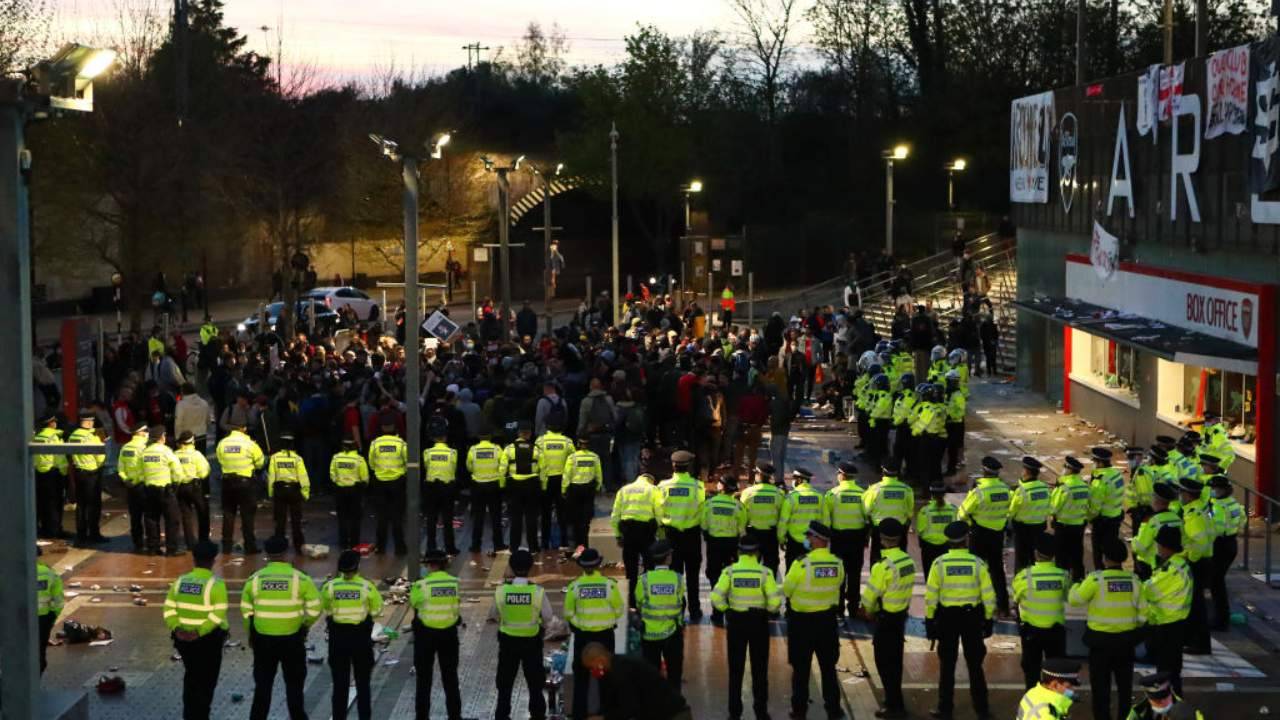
x,y
695,186
67,78
900,152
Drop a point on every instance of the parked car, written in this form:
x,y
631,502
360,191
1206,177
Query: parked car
x,y
325,318
339,297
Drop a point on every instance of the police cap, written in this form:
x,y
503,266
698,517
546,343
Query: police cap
x,y
956,531
1170,537
204,551
1156,685
1031,464
682,458
1100,453
1159,454
890,466
186,438
1115,551
276,545
1190,485
1165,440
748,544
1219,481
802,474
1061,669
1047,545
818,529
437,426
155,432
348,443
847,468
348,561
1165,490
764,467
438,558
1190,436
1207,459
287,437
991,464
891,527
729,482
48,418
521,561
590,558
86,413
1072,463
660,549
524,426
938,488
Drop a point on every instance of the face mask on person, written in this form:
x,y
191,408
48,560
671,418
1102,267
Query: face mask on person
x,y
1069,693
1161,710
808,545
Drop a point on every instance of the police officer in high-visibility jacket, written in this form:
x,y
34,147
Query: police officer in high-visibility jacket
x,y
389,459
288,485
522,460
48,605
903,404
1162,515
1168,596
680,515
889,498
161,470
1052,697
195,611
485,464
1137,492
957,398
844,513
350,603
581,479
660,600
763,502
1040,592
592,607
931,523
439,483
1198,534
238,457
986,509
885,600
801,507
1161,701
1069,508
522,611
635,526
746,593
1229,518
129,468
88,481
1116,611
555,448
1216,440
1028,509
959,603
279,605
435,602
51,481
193,506
812,587
723,522
1106,501
879,418
928,434
350,474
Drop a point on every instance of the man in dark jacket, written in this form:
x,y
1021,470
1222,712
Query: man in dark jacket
x,y
630,688
527,321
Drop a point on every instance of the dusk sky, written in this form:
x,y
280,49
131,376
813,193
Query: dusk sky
x,y
353,38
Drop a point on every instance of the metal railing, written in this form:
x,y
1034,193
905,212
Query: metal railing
x,y
1272,509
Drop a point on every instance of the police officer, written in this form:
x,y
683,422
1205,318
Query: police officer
x,y
1161,515
581,480
1161,701
747,594
1168,596
288,486
129,468
886,600
435,599
879,418
1217,440
1051,699
723,522
889,498
592,607
439,480
1069,506
1040,592
51,481
660,599
1137,492
389,459
522,460
238,458
843,512
350,474
680,514
635,526
986,509
903,404
928,434
484,463
1116,611
351,603
1230,519
1106,501
89,482
1198,535
1028,509
931,523
522,611
812,587
957,397
555,448
959,603
279,636
193,506
195,611
801,506
48,604
763,502
160,471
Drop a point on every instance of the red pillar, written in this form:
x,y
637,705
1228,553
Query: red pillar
x,y
1066,368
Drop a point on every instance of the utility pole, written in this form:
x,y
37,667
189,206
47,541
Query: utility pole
x,y
1202,28
1167,26
1080,49
504,246
888,205
412,359
474,50
546,229
181,39
613,164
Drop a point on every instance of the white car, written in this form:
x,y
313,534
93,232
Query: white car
x,y
339,297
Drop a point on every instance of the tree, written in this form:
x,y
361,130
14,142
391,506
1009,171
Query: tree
x,y
24,33
767,25
540,56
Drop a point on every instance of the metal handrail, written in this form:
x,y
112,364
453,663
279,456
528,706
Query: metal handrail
x,y
1273,510
981,248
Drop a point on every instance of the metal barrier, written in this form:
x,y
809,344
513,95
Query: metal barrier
x,y
1272,506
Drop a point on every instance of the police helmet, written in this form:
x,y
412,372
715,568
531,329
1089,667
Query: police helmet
x,y
882,347
937,353
957,357
880,382
875,369
922,389
953,378
907,380
865,360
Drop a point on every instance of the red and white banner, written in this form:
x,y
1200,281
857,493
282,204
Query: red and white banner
x,y
1104,252
1227,90
1170,89
1217,307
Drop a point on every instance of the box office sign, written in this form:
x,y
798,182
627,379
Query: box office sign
x,y
1172,298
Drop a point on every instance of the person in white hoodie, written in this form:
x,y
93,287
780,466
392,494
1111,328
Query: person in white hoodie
x,y
193,414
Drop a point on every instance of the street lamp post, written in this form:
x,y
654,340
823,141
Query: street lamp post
x,y
899,152
504,235
953,167
613,163
694,186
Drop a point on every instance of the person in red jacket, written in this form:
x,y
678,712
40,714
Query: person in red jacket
x,y
753,413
